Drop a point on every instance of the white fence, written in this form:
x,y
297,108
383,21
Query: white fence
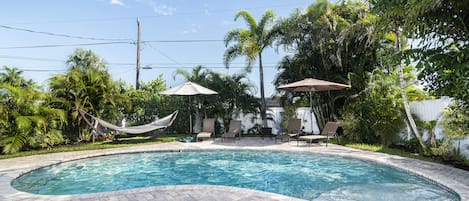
x,y
428,110
431,110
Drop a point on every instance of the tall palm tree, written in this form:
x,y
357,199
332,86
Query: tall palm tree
x,y
251,42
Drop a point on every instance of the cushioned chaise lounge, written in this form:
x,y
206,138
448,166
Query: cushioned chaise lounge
x,y
293,130
208,128
234,129
329,131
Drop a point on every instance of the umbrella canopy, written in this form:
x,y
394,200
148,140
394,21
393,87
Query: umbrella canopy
x,y
310,84
189,89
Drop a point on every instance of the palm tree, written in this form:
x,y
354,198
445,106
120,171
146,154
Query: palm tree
x,y
405,102
87,86
251,42
12,76
234,97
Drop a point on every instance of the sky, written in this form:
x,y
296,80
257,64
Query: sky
x,y
39,36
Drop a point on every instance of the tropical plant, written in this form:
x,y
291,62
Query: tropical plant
x,y
334,42
235,96
442,45
456,121
251,42
28,119
88,86
376,114
12,76
144,106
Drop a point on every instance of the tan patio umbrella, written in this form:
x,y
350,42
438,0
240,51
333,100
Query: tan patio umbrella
x,y
189,89
310,85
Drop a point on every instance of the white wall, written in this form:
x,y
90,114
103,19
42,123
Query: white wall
x,y
303,113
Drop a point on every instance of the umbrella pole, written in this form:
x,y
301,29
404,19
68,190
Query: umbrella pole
x,y
190,117
311,110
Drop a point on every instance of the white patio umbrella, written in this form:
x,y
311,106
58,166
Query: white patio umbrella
x,y
189,89
311,85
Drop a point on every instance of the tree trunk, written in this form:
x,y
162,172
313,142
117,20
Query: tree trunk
x,y
263,106
402,84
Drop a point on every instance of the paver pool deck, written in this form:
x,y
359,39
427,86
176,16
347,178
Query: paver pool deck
x,y
455,179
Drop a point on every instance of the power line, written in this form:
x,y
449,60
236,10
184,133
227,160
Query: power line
x,y
109,43
61,35
168,65
168,57
30,58
65,45
183,41
39,70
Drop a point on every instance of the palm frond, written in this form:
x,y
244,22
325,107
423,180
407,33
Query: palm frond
x,y
231,53
248,17
267,19
231,36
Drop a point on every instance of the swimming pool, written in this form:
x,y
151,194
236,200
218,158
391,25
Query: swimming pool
x,y
303,175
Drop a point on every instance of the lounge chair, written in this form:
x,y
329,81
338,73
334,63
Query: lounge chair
x,y
329,131
207,129
293,130
234,129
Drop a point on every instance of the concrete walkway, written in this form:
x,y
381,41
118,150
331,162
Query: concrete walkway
x,y
455,179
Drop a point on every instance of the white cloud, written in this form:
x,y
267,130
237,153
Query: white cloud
x,y
162,9
158,8
117,2
193,29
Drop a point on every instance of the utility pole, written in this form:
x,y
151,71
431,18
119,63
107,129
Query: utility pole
x,y
137,80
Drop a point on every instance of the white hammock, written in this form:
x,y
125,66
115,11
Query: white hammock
x,y
161,123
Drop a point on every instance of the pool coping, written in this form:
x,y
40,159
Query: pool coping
x,y
452,178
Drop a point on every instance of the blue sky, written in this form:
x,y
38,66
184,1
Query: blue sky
x,y
116,20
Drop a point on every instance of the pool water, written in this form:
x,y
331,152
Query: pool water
x,y
302,175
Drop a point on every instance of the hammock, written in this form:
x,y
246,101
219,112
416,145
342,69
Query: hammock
x,y
161,123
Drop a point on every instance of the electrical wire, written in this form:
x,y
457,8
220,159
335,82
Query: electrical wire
x,y
65,45
62,35
168,65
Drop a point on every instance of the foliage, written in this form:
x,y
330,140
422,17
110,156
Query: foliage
x,y
88,86
334,42
440,27
456,121
12,76
235,96
144,102
28,120
375,115
251,42
444,150
392,151
124,142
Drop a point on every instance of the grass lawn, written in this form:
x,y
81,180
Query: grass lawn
x,y
392,151
123,142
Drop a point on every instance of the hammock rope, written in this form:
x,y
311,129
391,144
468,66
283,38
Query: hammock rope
x,y
161,123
